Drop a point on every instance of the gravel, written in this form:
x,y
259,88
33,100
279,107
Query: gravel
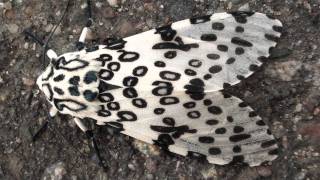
x,y
285,92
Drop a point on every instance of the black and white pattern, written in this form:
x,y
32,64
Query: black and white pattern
x,y
162,86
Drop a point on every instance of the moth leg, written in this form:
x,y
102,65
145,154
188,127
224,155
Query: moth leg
x,y
91,139
53,112
81,42
49,52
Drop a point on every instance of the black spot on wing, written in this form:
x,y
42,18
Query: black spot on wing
x,y
189,105
272,37
236,149
126,116
159,111
238,129
277,28
208,37
215,69
169,75
170,54
253,114
230,119
90,95
241,16
139,103
221,130
103,58
130,81
103,112
106,74
168,121
230,60
114,66
58,78
260,123
217,26
207,102
194,114
160,64
140,71
239,137
74,80
190,72
274,152
267,144
127,56
212,122
130,92
113,106
241,42
222,47
195,63
90,77
74,91
239,51
239,29
58,90
169,100
105,97
162,91
206,139
213,56
215,110
214,151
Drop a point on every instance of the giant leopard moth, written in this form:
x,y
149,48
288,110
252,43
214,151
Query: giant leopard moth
x,y
163,86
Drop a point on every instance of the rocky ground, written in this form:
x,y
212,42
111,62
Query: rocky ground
x,y
285,92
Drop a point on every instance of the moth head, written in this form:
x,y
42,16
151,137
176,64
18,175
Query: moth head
x,y
70,81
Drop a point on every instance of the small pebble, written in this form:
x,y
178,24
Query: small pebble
x,y
13,28
113,3
131,167
245,7
54,172
264,171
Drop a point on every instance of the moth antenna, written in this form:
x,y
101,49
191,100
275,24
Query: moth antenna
x,y
46,48
33,37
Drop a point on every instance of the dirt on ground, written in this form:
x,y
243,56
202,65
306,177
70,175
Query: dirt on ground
x,y
285,92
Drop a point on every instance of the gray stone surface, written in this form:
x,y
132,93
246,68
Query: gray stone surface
x,y
285,92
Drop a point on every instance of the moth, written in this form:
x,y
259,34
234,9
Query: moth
x,y
163,86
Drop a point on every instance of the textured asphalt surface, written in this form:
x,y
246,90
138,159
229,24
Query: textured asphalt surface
x,y
285,92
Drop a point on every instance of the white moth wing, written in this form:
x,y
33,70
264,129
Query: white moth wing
x,y
220,49
219,127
